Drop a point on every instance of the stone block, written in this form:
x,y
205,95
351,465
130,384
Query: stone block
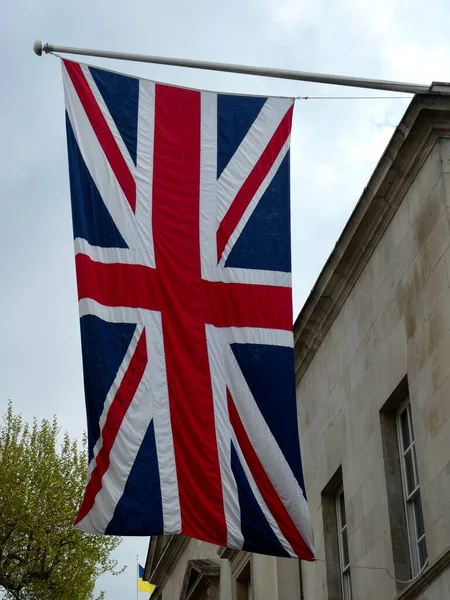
x,y
390,363
373,490
354,510
430,212
383,290
435,286
446,177
412,281
400,224
418,388
434,502
365,316
425,181
418,336
317,590
373,583
437,243
367,278
362,463
363,410
288,579
375,525
438,322
444,147
403,253
434,457
264,577
358,366
356,543
387,320
226,580
428,421
351,340
438,364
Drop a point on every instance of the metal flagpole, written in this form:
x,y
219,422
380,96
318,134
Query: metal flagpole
x,y
375,84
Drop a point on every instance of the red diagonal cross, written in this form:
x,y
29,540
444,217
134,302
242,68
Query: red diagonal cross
x,y
186,302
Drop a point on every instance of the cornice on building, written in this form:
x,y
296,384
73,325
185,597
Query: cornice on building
x,y
164,552
426,120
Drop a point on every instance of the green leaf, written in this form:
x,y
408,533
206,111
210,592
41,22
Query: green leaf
x,y
42,480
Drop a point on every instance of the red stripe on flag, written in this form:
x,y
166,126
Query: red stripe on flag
x,y
116,414
176,231
103,132
253,182
117,284
224,304
267,490
246,305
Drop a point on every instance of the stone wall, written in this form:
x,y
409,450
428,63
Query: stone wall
x,y
395,322
272,578
194,549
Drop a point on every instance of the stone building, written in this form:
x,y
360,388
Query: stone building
x,y
373,389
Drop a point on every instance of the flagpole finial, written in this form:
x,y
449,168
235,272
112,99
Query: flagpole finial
x,y
38,46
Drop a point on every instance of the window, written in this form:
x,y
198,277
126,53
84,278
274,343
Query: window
x,y
344,559
411,489
335,532
244,583
241,571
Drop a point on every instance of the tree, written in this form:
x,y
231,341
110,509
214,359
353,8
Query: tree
x,y
42,557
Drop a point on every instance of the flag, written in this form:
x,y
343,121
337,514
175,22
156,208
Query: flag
x,y
144,586
181,220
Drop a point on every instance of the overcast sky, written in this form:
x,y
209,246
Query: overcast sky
x,y
335,146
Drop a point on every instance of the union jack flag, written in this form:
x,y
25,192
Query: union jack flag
x,y
180,204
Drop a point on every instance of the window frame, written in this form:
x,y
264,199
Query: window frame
x,y
411,498
243,582
342,534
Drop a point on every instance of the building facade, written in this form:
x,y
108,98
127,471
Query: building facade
x,y
373,389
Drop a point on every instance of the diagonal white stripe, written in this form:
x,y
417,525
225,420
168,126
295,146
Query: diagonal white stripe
x,y
112,393
267,449
208,179
124,256
109,119
136,229
144,169
98,166
249,151
250,335
254,202
156,377
223,435
163,427
114,314
142,172
261,503
122,456
250,276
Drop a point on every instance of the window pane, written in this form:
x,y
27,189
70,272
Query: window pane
x,y
347,587
422,547
411,430
410,473
345,558
404,424
342,510
419,517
